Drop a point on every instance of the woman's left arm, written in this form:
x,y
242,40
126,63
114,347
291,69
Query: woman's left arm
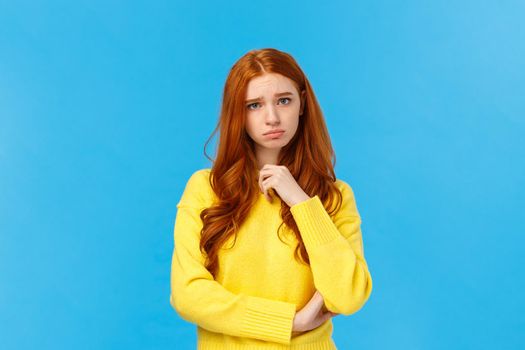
x,y
335,250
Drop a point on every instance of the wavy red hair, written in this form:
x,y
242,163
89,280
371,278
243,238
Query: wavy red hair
x,y
234,175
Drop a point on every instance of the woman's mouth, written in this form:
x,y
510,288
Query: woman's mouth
x,y
274,135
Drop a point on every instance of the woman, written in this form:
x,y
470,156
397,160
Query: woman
x,y
268,243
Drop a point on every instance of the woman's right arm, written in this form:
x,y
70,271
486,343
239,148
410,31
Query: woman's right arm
x,y
199,298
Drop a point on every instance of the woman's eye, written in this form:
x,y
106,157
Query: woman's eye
x,y
287,99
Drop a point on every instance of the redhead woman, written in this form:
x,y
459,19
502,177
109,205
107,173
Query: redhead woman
x,y
268,245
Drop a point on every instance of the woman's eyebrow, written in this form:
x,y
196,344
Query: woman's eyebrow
x,y
276,95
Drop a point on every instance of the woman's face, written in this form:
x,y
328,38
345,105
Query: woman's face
x,y
272,102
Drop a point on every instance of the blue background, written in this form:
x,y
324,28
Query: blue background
x,y
105,107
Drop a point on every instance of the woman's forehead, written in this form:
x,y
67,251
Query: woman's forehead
x,y
269,83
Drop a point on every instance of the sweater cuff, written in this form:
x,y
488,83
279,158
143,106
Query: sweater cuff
x,y
270,320
314,222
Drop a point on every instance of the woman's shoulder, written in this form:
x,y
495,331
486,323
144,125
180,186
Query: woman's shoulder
x,y
342,185
201,174
349,201
198,191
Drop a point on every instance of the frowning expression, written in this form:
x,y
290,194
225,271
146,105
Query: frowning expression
x,y
272,104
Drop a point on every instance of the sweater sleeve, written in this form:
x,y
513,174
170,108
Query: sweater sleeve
x,y
335,250
200,299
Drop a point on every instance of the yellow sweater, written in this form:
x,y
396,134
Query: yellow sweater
x,y
260,286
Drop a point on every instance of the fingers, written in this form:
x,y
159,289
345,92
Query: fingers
x,y
317,303
266,192
269,196
327,316
260,184
318,296
322,318
315,299
324,308
314,313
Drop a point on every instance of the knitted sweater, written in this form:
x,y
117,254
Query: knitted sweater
x,y
260,285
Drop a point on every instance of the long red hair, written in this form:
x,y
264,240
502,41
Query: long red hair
x,y
309,156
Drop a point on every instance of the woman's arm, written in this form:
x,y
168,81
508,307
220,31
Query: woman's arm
x,y
335,249
200,299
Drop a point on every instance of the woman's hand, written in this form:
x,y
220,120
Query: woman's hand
x,y
312,315
279,178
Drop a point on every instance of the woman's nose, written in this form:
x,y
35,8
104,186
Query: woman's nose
x,y
271,115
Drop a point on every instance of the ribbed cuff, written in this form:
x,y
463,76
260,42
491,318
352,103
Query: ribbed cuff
x,y
270,320
314,222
